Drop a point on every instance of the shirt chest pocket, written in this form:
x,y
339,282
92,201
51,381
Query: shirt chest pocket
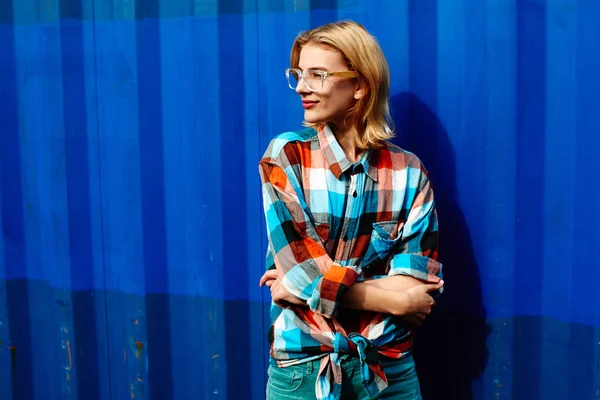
x,y
384,239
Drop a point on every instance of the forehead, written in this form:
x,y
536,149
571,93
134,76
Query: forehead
x,y
314,56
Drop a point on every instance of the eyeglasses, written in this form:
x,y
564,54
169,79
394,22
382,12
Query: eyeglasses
x,y
313,78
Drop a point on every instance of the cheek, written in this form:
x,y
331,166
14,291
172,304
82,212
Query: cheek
x,y
338,105
341,96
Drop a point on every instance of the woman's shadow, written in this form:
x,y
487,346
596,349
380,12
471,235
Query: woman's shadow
x,y
450,347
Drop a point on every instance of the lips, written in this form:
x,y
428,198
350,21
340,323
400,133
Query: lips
x,y
308,104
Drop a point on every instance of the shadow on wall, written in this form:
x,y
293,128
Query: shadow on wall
x,y
450,347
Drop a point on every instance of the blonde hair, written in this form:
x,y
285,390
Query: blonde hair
x,y
361,51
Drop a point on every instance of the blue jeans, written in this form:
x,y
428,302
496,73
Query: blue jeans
x,y
298,382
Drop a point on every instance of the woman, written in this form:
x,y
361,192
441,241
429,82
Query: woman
x,y
352,229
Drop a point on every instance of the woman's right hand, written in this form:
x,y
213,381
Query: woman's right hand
x,y
417,302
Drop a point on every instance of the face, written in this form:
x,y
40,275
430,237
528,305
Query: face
x,y
330,104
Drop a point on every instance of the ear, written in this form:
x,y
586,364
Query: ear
x,y
360,90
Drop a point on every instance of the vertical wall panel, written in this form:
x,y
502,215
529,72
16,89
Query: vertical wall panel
x,y
15,313
55,338
121,208
559,153
5,347
88,352
257,322
497,200
188,200
37,42
584,315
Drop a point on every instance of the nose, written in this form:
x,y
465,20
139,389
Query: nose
x,y
301,88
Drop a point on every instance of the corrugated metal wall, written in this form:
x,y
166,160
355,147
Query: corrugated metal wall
x,y
132,233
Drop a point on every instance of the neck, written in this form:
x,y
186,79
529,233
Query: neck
x,y
346,138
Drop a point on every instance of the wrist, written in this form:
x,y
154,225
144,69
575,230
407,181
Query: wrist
x,y
400,303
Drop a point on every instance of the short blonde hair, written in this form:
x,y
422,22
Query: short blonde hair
x,y
361,51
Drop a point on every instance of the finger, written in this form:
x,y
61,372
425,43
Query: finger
x,y
267,282
268,275
432,287
263,279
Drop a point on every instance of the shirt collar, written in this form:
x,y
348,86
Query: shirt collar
x,y
336,158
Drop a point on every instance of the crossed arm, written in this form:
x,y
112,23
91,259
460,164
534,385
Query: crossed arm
x,y
402,296
306,276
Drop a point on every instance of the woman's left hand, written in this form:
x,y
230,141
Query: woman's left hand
x,y
272,278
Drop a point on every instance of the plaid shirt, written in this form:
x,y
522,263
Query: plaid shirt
x,y
332,223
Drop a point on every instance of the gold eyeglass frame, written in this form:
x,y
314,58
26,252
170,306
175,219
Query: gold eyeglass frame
x,y
324,75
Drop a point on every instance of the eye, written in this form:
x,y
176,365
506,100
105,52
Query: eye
x,y
315,74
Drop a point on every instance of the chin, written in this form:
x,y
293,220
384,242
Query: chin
x,y
312,117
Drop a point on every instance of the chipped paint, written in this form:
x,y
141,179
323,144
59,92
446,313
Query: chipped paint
x,y
140,348
136,386
70,366
67,361
135,348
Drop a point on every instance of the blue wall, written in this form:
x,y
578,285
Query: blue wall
x,y
132,231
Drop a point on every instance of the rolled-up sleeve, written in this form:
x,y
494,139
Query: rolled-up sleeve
x,y
297,251
416,252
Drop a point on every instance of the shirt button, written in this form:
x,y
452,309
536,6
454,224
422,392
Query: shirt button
x,y
345,238
354,194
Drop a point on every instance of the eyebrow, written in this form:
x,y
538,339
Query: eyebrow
x,y
317,67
